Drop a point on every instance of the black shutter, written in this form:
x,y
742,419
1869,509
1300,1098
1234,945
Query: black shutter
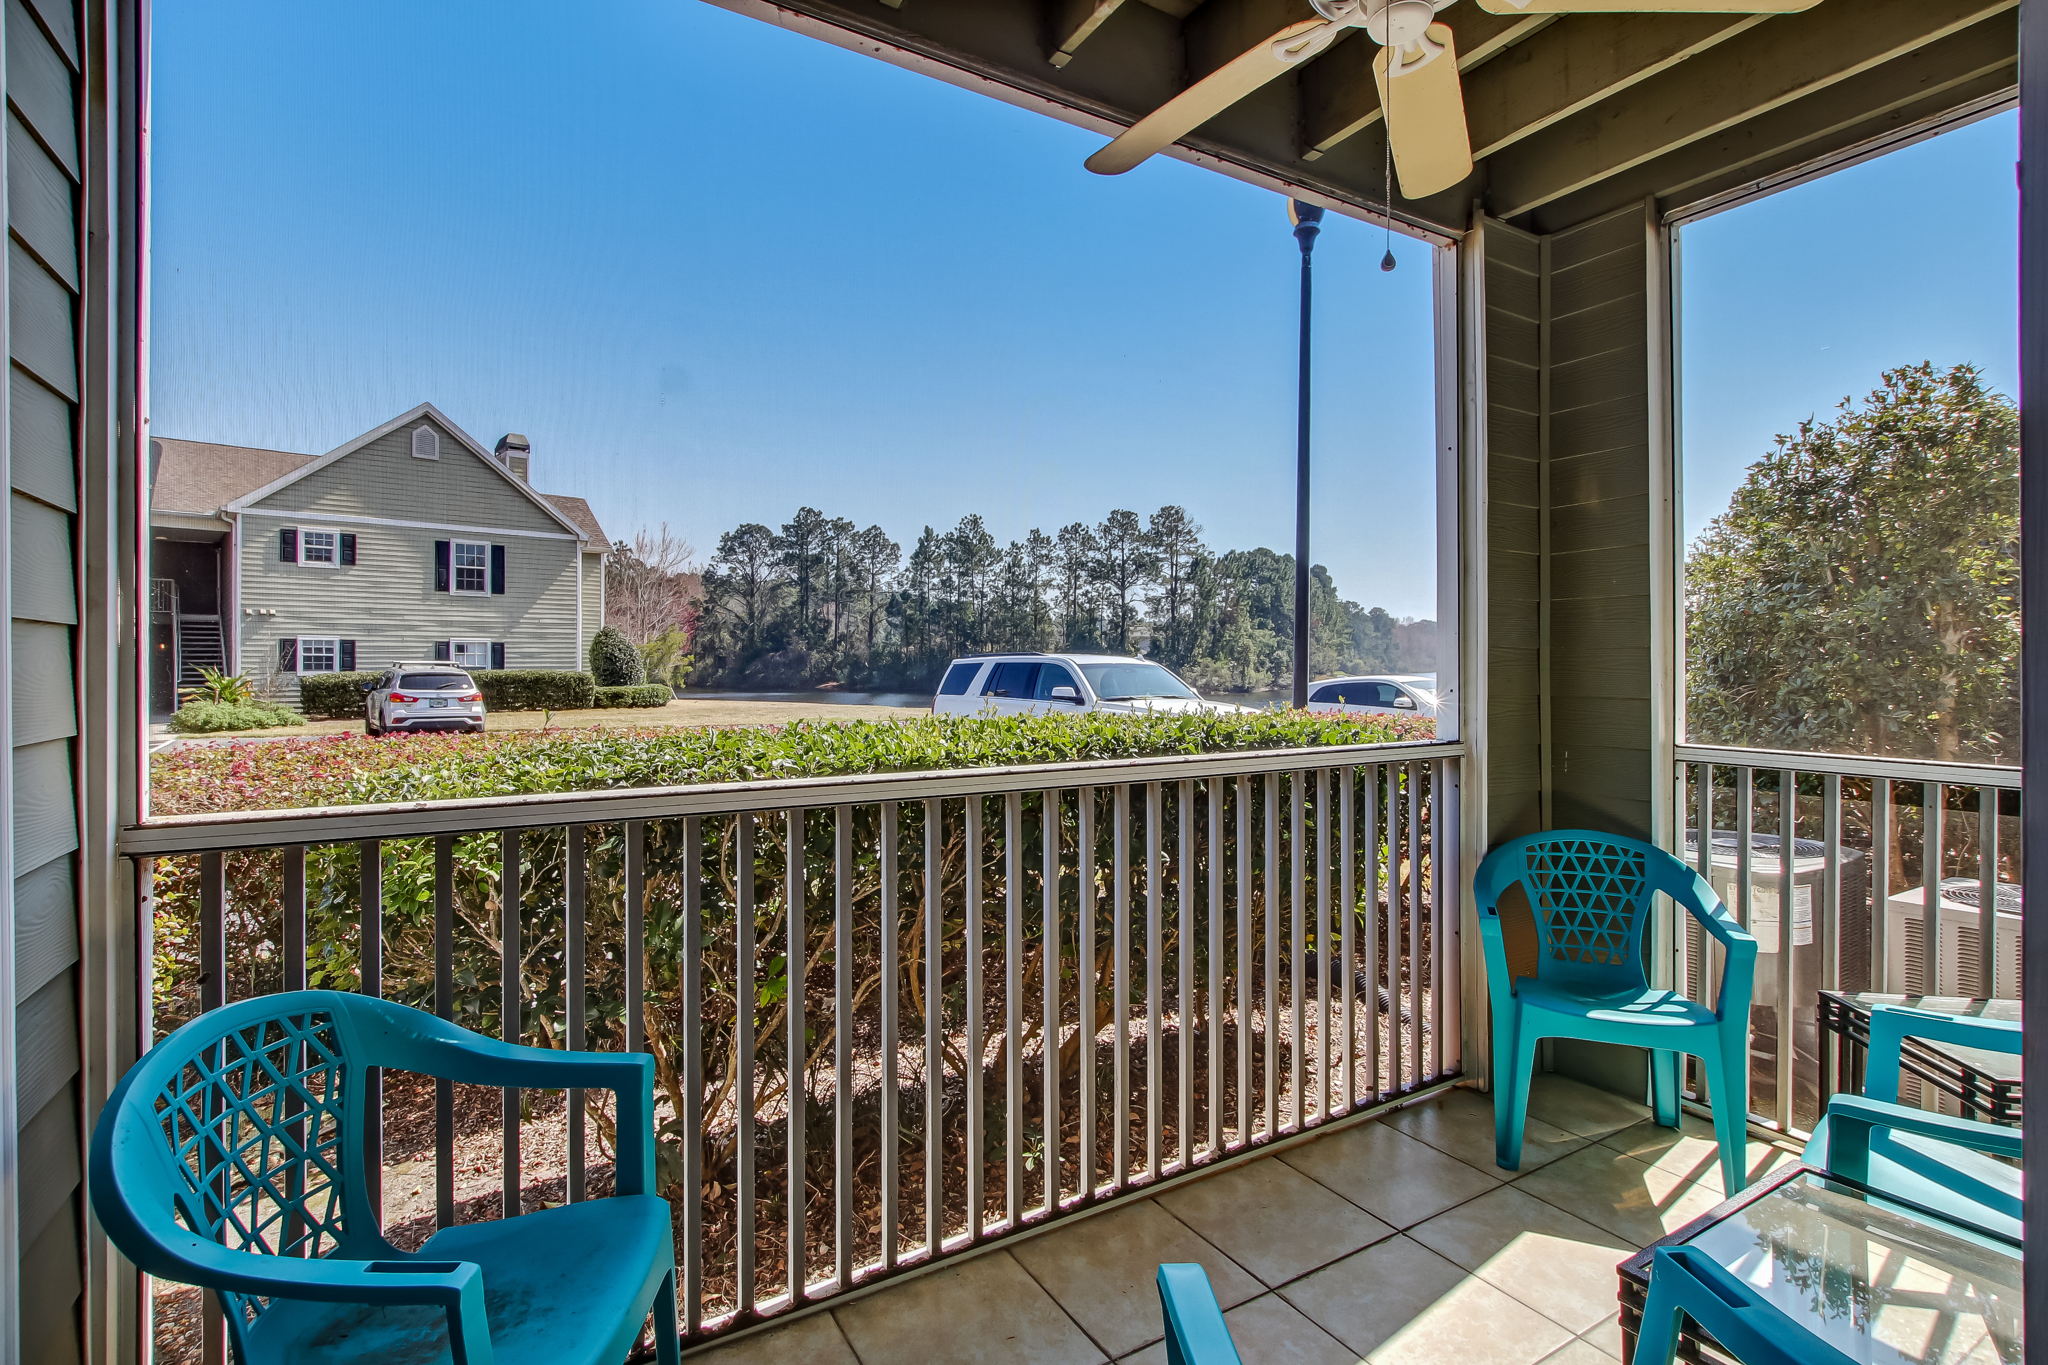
x,y
441,654
441,572
348,656
287,656
348,547
498,569
497,654
288,545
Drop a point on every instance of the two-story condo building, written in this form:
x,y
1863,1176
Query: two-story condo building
x,y
409,541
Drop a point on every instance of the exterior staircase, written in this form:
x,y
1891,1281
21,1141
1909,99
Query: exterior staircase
x,y
199,645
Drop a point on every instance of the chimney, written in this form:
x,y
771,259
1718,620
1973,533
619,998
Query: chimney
x,y
515,453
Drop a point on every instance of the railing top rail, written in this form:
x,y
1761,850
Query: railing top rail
x,y
1853,765
414,819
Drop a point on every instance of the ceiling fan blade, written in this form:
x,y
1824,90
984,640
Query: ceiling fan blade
x,y
1214,93
1425,109
1646,6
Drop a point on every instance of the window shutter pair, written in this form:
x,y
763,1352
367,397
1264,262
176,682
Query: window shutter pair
x,y
288,545
443,651
497,654
498,570
444,574
348,656
348,547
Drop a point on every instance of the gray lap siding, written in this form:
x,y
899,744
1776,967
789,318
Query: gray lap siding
x,y
387,601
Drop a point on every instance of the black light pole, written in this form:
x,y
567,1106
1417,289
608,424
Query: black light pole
x,y
1307,220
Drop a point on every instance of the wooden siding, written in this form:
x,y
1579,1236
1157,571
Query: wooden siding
x,y
44,270
593,603
1598,449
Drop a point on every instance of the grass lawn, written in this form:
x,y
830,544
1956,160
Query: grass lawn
x,y
683,713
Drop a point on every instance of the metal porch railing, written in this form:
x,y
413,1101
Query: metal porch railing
x,y
1873,843
894,1018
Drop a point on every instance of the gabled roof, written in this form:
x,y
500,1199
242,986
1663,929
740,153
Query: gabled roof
x,y
205,478
463,438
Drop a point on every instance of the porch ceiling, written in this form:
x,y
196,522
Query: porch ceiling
x,y
1571,115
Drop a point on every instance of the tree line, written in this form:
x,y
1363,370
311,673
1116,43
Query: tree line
x,y
819,600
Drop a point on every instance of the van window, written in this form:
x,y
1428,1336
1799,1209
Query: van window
x,y
1011,680
435,682
957,679
1356,694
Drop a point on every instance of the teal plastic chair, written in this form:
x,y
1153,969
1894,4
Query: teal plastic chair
x,y
231,1157
1686,1283
1195,1334
1948,1166
1590,896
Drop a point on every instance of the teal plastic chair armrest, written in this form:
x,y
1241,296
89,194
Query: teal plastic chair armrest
x,y
1697,898
1195,1332
1852,1117
1891,1025
1686,1283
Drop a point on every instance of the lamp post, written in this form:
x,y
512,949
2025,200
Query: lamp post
x,y
1307,220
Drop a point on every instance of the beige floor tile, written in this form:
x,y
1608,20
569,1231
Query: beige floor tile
x,y
1395,1177
1691,1147
1581,1353
1460,1123
1268,1331
815,1340
1607,1336
1399,1303
986,1309
1101,1272
1561,1266
1630,1198
1273,1220
1582,1109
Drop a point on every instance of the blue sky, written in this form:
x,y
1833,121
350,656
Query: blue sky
x,y
716,270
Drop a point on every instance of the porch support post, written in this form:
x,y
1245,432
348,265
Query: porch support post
x,y
2034,594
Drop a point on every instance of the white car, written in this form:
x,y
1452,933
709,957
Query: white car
x,y
423,696
1026,684
1376,694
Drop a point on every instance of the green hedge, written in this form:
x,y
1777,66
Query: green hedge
x,y
613,660
647,694
208,717
340,695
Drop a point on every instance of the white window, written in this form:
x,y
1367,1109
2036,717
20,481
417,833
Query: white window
x,y
471,561
319,547
470,653
319,654
426,443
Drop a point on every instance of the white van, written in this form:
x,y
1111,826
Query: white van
x,y
1030,684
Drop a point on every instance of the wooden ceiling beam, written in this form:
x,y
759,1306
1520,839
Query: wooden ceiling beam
x,y
1771,65
1074,22
1340,99
1964,68
1579,61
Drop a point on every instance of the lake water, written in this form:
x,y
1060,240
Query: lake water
x,y
836,696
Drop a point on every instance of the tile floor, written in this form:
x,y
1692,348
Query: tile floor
x,y
1396,1242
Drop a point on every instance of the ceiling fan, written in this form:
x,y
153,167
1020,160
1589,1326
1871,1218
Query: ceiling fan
x,y
1416,70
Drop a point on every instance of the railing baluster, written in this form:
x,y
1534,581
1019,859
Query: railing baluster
x,y
293,859
842,1046
574,883
1881,884
1347,932
693,1073
934,1055
1297,928
511,1004
1369,822
796,1057
1745,799
1443,932
213,993
1153,892
1088,1016
1987,891
1120,973
1213,997
1324,956
1243,888
1831,924
1933,809
1788,1026
1411,774
1395,954
1696,941
1184,973
1013,1008
745,994
891,1157
444,1006
1049,1037
370,974
977,1199
1269,1003
635,964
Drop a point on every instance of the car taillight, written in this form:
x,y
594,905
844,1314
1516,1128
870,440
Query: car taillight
x,y
403,696
474,696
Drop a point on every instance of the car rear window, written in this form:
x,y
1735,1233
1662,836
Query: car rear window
x,y
957,679
437,682
1011,680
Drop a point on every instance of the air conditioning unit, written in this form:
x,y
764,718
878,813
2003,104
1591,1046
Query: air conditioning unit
x,y
1767,917
1960,971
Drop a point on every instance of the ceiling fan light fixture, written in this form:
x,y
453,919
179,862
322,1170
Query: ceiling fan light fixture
x,y
1398,23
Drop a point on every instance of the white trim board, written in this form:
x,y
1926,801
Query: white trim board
x,y
295,517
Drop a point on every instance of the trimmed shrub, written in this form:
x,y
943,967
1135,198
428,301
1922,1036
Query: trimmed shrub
x,y
647,694
535,689
613,660
209,717
334,696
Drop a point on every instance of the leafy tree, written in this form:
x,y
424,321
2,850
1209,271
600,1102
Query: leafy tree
x,y
1124,563
1861,592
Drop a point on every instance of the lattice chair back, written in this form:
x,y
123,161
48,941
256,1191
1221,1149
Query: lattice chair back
x,y
242,1130
1589,895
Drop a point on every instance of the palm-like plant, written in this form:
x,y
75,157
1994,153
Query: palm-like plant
x,y
230,689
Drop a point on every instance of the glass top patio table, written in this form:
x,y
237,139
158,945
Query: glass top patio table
x,y
1874,1279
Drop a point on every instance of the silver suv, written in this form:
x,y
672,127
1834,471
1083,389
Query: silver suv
x,y
1025,684
423,696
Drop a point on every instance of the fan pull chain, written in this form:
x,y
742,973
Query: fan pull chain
x,y
1387,185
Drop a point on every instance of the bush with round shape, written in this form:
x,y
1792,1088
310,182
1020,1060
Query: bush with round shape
x,y
613,660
